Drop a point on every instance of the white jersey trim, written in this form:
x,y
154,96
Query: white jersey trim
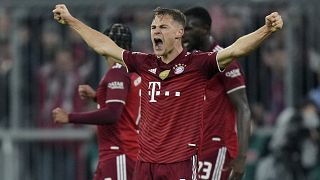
x,y
121,167
235,89
194,159
216,175
124,61
115,100
218,64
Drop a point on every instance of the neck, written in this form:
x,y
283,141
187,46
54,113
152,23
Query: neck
x,y
172,54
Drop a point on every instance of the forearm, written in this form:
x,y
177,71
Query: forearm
x,y
243,128
250,42
105,116
99,42
242,46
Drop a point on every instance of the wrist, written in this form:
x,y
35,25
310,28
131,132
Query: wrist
x,y
72,21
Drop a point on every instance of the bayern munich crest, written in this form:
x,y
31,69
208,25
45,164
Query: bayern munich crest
x,y
179,68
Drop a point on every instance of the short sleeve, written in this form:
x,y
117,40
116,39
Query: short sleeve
x,y
134,60
118,84
207,62
232,77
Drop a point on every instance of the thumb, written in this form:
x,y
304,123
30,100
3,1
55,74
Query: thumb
x,y
56,110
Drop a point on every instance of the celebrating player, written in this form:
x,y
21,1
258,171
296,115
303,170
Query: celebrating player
x,y
226,103
172,90
117,116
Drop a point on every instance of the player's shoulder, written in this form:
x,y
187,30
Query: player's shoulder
x,y
140,54
135,78
118,69
117,66
233,65
200,54
233,70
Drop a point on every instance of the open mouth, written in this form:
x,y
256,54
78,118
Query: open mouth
x,y
158,42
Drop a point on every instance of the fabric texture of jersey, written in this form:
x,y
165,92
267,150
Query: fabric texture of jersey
x,y
171,103
219,113
119,86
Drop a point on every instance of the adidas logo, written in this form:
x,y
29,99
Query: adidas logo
x,y
154,71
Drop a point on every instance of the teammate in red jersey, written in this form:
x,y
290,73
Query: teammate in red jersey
x,y
117,116
226,103
172,88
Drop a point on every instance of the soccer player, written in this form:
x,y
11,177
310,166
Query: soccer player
x,y
172,89
117,116
226,103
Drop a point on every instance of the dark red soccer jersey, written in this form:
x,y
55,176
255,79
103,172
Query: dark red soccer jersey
x,y
219,113
119,86
171,103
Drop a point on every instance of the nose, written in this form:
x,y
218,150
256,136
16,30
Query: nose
x,y
156,30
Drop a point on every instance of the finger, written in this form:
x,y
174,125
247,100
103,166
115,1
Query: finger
x,y
54,110
231,175
57,11
227,168
80,89
274,14
57,17
82,97
60,5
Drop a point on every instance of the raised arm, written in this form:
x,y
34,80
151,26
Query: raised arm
x,y
249,42
99,42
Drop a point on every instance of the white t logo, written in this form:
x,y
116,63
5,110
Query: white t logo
x,y
153,92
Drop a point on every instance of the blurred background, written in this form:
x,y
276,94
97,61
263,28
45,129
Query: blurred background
x,y
42,63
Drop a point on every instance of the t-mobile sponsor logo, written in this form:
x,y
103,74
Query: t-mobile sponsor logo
x,y
153,86
154,90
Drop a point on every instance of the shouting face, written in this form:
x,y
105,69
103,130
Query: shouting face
x,y
165,34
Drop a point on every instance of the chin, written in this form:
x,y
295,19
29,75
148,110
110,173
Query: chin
x,y
158,53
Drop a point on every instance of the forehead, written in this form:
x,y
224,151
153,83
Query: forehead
x,y
193,21
162,19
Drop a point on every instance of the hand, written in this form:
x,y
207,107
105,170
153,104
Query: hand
x,y
60,116
237,167
61,14
86,92
274,22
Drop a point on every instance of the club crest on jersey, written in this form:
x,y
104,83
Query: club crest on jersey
x,y
164,74
179,68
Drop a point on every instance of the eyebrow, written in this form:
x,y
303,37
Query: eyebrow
x,y
161,25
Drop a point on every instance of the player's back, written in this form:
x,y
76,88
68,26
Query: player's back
x,y
118,86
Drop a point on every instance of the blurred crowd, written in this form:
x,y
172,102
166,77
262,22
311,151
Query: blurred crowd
x,y
285,139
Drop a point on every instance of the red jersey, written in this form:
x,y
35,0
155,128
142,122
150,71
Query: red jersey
x,y
172,95
219,113
119,86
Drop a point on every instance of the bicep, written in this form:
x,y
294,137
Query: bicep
x,y
225,56
113,50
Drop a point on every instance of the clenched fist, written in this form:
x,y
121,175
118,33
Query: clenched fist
x,y
274,22
60,116
61,14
